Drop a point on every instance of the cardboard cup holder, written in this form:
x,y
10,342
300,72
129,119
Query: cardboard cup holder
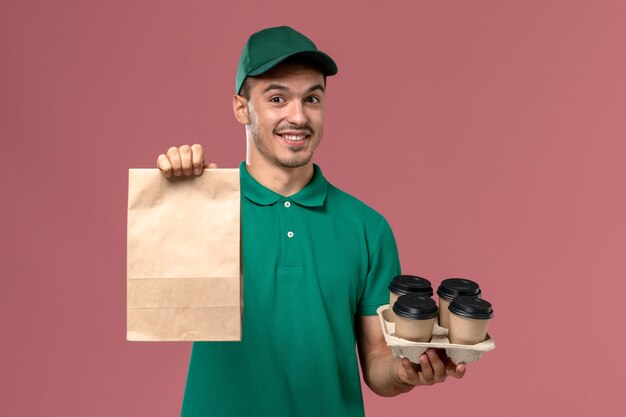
x,y
403,348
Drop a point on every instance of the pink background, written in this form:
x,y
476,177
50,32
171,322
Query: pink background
x,y
491,134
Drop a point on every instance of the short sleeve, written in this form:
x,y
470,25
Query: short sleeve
x,y
384,264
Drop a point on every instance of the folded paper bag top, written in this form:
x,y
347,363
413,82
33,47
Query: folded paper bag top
x,y
184,263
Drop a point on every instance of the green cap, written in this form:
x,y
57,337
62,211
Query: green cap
x,y
269,47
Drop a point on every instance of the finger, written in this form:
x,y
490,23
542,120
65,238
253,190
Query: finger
x,y
439,369
197,158
427,370
458,371
164,165
410,375
212,165
174,157
452,369
186,159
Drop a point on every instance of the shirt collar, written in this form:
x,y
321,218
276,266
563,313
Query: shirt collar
x,y
312,195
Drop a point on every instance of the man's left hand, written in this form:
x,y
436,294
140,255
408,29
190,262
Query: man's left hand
x,y
434,367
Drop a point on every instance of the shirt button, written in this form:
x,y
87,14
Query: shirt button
x,y
287,204
290,234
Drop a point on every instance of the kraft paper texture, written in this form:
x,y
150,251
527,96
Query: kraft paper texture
x,y
184,256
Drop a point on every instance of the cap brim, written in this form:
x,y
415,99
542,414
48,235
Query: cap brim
x,y
319,58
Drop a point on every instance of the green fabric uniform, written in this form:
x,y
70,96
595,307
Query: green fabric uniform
x,y
311,262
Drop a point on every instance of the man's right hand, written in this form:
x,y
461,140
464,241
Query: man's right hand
x,y
186,160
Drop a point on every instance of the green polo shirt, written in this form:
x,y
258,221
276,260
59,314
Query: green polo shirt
x,y
311,262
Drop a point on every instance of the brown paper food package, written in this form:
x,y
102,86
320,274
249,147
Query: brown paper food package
x,y
184,257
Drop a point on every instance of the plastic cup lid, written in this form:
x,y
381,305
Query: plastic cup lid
x,y
407,284
471,307
453,287
414,306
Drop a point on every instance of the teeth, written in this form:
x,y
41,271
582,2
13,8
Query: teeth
x,y
294,138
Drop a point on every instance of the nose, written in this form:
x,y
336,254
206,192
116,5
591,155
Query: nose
x,y
297,113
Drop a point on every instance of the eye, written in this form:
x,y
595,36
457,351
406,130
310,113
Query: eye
x,y
312,99
277,99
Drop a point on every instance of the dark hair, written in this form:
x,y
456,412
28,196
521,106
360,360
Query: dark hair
x,y
296,59
246,87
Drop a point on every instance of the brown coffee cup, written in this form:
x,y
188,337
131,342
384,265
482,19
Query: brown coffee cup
x,y
469,320
415,317
406,284
448,290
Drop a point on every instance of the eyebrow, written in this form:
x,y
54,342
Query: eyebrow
x,y
281,87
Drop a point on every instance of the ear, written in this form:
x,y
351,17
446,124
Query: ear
x,y
240,108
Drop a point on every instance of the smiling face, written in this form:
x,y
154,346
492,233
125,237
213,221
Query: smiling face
x,y
283,114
